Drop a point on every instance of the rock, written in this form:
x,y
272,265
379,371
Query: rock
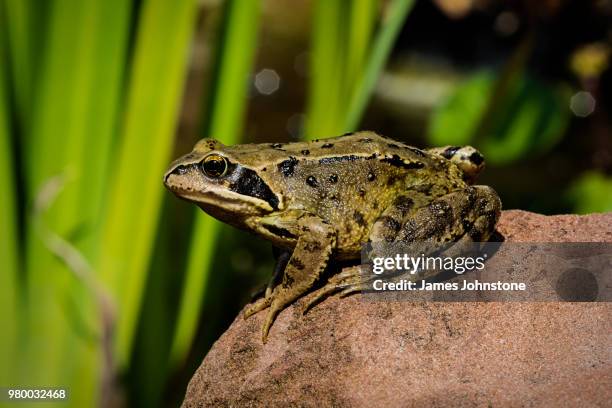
x,y
354,353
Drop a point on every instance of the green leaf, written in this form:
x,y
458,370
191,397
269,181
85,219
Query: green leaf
x,y
25,29
346,60
325,94
153,99
531,118
224,121
362,18
392,23
9,237
73,123
591,192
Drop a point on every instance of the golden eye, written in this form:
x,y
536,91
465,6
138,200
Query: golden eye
x,y
214,165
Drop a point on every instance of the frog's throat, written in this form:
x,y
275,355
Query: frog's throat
x,y
236,214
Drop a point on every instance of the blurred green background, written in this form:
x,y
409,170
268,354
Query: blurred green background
x,y
112,287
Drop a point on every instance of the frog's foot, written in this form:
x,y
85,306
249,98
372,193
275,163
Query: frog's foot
x,y
348,281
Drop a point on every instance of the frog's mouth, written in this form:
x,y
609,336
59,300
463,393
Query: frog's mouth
x,y
218,200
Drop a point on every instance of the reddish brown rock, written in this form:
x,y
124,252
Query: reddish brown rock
x,y
351,353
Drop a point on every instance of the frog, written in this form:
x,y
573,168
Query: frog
x,y
321,200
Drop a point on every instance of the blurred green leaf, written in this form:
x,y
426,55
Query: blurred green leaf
x,y
134,198
74,114
591,192
224,121
362,19
25,29
10,314
531,118
390,26
346,60
325,87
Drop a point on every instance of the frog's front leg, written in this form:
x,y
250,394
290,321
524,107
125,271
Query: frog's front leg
x,y
315,243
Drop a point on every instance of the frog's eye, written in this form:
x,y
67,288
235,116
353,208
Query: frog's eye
x,y
214,166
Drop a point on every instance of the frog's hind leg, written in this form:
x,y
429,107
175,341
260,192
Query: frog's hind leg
x,y
350,277
467,215
351,280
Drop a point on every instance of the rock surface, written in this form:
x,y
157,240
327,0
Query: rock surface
x,y
350,353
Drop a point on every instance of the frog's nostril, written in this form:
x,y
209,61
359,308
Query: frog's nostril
x,y
177,171
180,170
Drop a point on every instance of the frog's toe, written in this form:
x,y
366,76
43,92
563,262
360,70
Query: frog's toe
x,y
348,277
275,309
349,290
319,295
259,305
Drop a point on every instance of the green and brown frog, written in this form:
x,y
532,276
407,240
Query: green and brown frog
x,y
324,199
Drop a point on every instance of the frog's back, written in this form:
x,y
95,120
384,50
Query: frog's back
x,y
357,144
351,179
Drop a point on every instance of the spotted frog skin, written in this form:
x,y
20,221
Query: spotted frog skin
x,y
323,199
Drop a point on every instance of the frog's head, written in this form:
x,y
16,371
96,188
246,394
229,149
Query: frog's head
x,y
224,188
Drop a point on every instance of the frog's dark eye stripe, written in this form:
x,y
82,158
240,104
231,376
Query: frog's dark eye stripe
x,y
214,166
247,182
